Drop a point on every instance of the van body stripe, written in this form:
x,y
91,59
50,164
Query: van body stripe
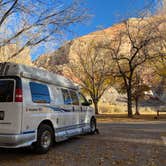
x,y
28,132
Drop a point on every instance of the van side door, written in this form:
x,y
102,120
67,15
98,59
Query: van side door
x,y
67,108
76,106
84,108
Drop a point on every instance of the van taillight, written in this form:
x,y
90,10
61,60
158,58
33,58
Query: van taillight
x,y
18,97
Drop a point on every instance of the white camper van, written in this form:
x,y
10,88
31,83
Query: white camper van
x,y
38,107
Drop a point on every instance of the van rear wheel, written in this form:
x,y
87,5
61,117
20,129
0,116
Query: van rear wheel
x,y
44,139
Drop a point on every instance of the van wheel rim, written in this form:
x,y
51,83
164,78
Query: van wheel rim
x,y
46,139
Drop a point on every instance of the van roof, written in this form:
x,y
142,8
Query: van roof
x,y
13,69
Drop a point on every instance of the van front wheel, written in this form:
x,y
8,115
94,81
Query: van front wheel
x,y
93,125
44,139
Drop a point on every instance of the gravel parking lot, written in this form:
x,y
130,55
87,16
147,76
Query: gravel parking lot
x,y
140,143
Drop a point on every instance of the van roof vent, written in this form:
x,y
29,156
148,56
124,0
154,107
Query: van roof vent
x,y
12,69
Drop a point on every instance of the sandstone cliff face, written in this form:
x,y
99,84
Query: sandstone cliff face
x,y
56,61
7,51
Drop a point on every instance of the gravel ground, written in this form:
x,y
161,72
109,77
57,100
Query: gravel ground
x,y
140,143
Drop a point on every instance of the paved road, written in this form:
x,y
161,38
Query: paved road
x,y
121,144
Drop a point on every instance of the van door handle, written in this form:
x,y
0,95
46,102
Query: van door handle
x,y
57,120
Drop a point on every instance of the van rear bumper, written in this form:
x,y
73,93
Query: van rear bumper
x,y
16,141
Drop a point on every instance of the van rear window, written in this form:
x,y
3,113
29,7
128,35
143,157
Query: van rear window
x,y
39,92
6,90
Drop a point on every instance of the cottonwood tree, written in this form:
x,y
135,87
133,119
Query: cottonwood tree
x,y
133,46
34,22
91,68
161,67
139,89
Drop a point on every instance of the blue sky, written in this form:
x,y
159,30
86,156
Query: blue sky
x,y
108,12
104,13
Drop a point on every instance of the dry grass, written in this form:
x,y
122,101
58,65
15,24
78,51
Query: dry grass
x,y
108,118
118,113
106,108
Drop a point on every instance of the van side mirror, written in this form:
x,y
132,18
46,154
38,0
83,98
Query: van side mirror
x,y
87,103
90,102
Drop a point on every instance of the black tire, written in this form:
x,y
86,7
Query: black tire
x,y
93,125
45,138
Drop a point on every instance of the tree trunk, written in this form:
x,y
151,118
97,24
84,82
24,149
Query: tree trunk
x,y
96,107
136,106
129,102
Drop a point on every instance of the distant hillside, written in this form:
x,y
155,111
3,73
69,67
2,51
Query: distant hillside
x,y
57,61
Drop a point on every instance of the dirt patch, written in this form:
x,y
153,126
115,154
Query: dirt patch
x,y
120,143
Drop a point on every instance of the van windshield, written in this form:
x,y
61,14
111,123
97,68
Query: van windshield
x,y
6,90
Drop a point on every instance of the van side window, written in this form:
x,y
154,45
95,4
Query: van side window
x,y
82,99
74,98
39,92
66,97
